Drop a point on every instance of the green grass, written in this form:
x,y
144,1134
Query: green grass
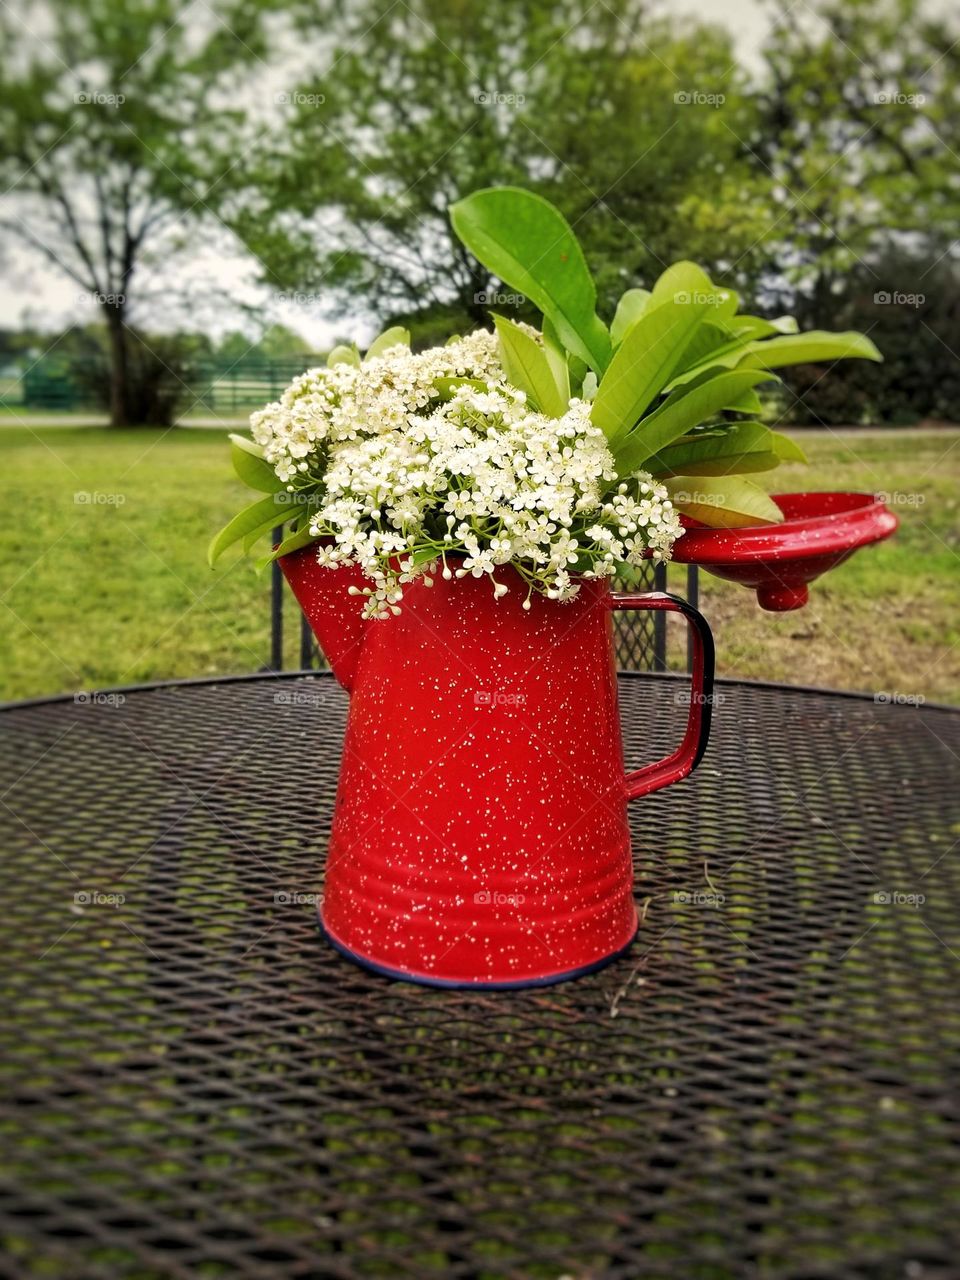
x,y
103,593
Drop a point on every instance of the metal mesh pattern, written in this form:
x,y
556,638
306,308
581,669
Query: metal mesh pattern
x,y
194,1085
641,637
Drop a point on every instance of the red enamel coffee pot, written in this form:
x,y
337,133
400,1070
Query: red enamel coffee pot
x,y
480,834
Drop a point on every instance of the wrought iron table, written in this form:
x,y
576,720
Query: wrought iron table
x,y
195,1085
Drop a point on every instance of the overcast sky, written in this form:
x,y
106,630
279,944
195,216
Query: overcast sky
x,y
32,291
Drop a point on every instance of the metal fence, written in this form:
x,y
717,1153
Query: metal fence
x,y
214,386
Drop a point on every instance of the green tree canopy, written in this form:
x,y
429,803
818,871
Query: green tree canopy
x,y
621,123
861,129
117,126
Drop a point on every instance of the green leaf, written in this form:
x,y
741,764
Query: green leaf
x,y
757,327
248,463
746,402
711,346
787,450
528,243
688,284
395,337
559,366
447,386
253,517
644,363
244,443
630,308
809,348
722,502
731,449
292,542
528,366
251,539
343,355
684,409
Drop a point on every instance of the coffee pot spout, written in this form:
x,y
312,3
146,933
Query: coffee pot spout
x,y
333,612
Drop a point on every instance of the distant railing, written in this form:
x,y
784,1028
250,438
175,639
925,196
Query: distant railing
x,y
225,388
214,386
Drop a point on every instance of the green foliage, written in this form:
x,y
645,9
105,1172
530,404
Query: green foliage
x,y
343,355
157,369
644,365
248,463
430,100
395,337
528,364
630,308
724,501
528,244
275,343
685,357
912,310
114,124
860,129
716,451
260,517
682,410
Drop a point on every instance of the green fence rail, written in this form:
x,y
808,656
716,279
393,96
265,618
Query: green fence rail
x,y
209,386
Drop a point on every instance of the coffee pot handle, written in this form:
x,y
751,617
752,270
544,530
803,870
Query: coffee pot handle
x,y
690,752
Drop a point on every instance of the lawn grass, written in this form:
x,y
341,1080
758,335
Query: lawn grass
x,y
886,620
117,590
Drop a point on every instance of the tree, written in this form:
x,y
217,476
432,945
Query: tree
x,y
116,134
861,129
914,324
632,130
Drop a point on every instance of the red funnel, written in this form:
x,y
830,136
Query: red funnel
x,y
819,531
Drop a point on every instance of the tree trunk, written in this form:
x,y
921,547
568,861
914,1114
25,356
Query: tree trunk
x,y
119,368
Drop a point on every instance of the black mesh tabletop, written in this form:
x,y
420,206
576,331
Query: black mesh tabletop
x,y
196,1085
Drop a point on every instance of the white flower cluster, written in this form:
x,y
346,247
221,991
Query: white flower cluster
x,y
486,481
326,407
414,462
